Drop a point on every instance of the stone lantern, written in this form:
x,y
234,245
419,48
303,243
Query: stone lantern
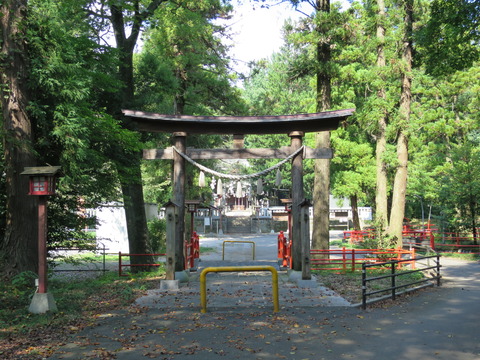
x,y
42,183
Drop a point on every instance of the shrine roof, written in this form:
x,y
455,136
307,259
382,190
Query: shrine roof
x,y
281,124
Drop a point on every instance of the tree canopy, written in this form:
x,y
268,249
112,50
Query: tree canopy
x,y
410,68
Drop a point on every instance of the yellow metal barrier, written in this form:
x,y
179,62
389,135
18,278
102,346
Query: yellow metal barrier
x,y
238,241
203,282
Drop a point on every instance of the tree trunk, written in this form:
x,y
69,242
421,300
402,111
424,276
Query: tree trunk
x,y
356,218
321,189
399,190
19,244
136,222
381,204
132,187
473,213
400,185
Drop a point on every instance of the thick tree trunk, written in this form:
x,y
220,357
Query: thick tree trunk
x,y
132,187
136,222
19,244
381,203
356,218
399,190
400,185
321,189
321,197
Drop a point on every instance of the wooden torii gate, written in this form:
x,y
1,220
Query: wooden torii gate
x,y
294,125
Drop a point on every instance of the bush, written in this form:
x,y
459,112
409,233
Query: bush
x,y
157,233
380,241
24,281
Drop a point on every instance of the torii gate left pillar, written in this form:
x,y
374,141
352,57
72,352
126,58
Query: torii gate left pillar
x,y
179,140
296,138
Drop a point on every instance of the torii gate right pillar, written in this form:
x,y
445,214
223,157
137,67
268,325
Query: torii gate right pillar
x,y
297,198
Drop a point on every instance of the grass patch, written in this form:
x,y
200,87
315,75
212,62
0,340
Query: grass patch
x,y
89,257
34,336
343,243
456,255
463,256
206,249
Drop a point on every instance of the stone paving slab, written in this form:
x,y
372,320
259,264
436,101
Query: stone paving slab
x,y
227,291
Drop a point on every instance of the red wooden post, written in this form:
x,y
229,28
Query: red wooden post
x,y
280,245
353,260
432,240
42,244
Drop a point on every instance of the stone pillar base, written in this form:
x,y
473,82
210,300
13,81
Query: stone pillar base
x,y
42,302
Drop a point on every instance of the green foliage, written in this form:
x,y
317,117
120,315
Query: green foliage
x,y
23,282
450,39
183,69
460,190
157,235
271,90
353,167
380,240
70,80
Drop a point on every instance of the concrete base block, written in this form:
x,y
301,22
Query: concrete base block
x,y
307,283
41,303
169,285
294,275
182,276
195,265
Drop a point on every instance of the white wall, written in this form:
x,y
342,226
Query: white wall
x,y
112,226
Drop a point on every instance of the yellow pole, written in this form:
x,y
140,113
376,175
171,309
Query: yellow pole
x,y
203,282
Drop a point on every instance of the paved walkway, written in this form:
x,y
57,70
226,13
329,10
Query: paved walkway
x,y
439,323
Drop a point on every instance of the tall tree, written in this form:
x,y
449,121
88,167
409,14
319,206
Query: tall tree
x,y
381,203
18,246
126,18
400,184
321,188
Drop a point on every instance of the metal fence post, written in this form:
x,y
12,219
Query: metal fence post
x,y
393,281
119,263
438,270
364,287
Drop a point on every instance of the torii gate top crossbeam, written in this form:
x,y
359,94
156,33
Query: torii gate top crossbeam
x,y
283,124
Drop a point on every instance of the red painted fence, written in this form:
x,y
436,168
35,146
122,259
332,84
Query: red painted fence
x,y
351,259
447,242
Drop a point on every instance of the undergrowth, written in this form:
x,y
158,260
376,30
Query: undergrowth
x,y
77,300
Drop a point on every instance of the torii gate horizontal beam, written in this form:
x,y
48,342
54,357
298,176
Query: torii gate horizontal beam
x,y
283,124
212,154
